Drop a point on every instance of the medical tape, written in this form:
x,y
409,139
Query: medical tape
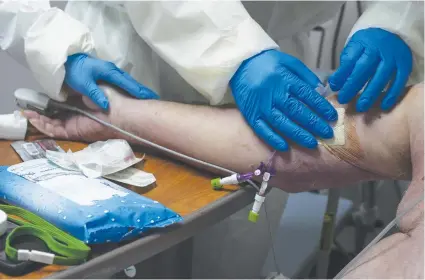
x,y
65,249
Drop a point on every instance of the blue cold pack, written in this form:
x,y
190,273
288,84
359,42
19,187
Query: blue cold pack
x,y
92,210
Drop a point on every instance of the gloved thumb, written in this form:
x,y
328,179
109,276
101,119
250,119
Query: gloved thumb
x,y
90,104
124,81
96,95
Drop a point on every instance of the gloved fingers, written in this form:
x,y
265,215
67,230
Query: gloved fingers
x,y
302,115
298,68
349,56
395,90
291,130
263,130
93,92
364,69
123,80
313,99
375,86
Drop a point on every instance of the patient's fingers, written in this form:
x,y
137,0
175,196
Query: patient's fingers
x,y
30,114
48,126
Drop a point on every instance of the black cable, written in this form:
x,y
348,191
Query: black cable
x,y
338,29
322,40
336,35
359,8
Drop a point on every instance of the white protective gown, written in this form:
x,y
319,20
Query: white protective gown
x,y
204,43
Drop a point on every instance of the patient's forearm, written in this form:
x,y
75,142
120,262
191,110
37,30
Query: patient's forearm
x,y
222,137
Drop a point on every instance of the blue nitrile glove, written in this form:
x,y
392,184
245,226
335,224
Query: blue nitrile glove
x,y
82,72
275,93
376,57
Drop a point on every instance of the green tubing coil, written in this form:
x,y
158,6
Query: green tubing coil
x,y
67,249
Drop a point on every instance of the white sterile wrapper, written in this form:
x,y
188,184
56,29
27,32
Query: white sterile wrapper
x,y
133,176
13,126
98,159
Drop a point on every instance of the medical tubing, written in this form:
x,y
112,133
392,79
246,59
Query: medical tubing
x,y
149,143
67,249
378,238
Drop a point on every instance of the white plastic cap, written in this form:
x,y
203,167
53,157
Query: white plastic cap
x,y
35,256
13,126
3,222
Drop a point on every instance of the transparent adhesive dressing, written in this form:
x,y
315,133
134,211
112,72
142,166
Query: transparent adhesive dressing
x,y
325,91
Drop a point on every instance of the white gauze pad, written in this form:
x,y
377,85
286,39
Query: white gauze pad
x,y
339,130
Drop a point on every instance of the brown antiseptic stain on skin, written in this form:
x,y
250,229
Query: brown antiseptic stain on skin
x,y
352,152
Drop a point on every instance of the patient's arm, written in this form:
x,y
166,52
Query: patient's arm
x,y
377,145
385,145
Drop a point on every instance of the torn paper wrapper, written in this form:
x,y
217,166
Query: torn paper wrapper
x,y
13,126
110,159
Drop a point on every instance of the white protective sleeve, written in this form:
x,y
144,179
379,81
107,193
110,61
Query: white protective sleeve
x,y
204,41
41,38
404,18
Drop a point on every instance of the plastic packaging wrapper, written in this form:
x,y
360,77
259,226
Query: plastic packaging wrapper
x,y
92,210
39,148
98,159
35,150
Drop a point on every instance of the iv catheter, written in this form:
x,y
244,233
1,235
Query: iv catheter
x,y
237,178
264,169
260,196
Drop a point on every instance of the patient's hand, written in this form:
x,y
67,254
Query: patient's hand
x,y
71,126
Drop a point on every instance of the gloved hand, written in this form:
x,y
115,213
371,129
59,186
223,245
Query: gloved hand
x,y
275,93
82,72
376,57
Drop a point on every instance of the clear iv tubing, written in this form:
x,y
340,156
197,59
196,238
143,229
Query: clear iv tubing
x,y
149,143
377,238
